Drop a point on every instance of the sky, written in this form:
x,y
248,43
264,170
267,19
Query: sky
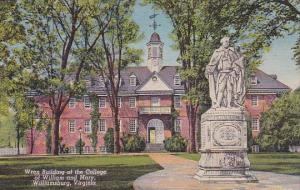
x,y
279,60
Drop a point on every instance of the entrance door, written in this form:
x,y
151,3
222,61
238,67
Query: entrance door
x,y
152,135
155,131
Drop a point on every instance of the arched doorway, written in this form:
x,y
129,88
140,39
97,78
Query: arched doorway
x,y
155,131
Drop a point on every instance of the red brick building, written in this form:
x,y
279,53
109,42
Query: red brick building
x,y
146,97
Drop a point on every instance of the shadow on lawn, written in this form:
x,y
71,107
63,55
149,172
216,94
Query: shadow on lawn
x,y
119,176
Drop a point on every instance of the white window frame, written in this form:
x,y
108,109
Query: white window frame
x,y
253,80
155,103
104,123
87,104
72,102
177,101
88,126
131,123
177,125
101,82
102,98
132,80
155,52
119,102
254,100
255,124
130,101
72,127
177,80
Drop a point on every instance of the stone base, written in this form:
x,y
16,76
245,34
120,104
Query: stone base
x,y
224,147
226,179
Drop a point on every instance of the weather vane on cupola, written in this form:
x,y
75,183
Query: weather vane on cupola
x,y
154,23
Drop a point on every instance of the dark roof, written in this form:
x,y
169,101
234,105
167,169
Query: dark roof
x,y
267,83
155,37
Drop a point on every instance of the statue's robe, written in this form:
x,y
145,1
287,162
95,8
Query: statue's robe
x,y
214,76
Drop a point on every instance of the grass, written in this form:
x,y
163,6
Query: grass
x,y
121,170
283,163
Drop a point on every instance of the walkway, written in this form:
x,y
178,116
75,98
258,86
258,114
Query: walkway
x,y
178,175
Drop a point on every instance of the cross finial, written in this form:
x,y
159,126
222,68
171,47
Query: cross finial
x,y
154,23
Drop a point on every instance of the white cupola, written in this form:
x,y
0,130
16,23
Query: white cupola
x,y
155,53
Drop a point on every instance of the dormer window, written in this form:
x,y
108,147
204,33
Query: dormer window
x,y
116,80
132,80
101,82
177,80
253,80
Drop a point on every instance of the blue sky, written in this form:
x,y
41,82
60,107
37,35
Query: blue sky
x,y
279,60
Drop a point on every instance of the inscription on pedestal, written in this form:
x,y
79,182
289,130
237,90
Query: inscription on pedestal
x,y
227,135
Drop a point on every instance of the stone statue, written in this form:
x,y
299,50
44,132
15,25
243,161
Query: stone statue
x,y
225,73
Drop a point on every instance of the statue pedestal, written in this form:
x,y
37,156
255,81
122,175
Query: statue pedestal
x,y
224,147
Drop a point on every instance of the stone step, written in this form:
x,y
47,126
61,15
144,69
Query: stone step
x,y
155,148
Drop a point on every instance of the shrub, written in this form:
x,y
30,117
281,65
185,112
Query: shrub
x,y
175,143
133,143
79,146
109,140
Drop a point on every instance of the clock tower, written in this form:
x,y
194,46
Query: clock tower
x,y
155,53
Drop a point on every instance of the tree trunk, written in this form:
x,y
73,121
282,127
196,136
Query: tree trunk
x,y
116,134
55,135
18,139
31,138
192,128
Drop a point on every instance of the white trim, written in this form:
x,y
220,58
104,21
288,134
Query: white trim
x,y
254,100
135,125
87,128
177,129
85,103
256,119
102,97
69,122
119,102
104,122
74,103
133,98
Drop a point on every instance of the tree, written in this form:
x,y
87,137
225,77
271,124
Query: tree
x,y
56,49
280,126
11,33
113,54
95,116
198,27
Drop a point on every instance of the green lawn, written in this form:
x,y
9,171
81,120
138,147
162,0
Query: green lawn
x,y
121,170
284,163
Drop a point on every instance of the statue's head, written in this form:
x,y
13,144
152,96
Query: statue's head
x,y
225,42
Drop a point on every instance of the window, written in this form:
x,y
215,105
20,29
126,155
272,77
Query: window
x,y
177,102
177,80
253,80
102,102
177,125
255,124
154,52
132,102
132,80
254,100
87,126
155,101
101,82
87,102
72,102
71,124
102,125
132,125
119,102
